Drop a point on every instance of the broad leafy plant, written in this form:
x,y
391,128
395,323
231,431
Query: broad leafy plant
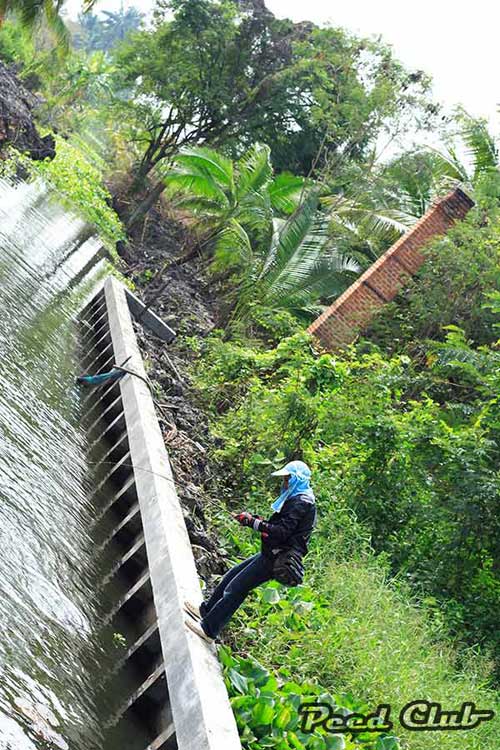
x,y
267,710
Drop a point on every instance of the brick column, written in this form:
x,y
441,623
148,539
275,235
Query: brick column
x,y
379,284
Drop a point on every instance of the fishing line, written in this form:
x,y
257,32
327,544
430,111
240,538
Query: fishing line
x,y
148,383
156,474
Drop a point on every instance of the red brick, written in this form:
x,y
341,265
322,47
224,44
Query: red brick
x,y
342,321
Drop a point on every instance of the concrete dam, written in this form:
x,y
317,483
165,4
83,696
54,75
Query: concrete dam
x,y
95,562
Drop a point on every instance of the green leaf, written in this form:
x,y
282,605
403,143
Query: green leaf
x,y
232,246
271,596
294,741
302,608
254,170
225,656
387,743
335,742
239,682
285,192
208,163
271,685
316,743
283,718
263,713
253,671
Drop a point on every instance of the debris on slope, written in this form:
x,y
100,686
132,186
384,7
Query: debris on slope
x,y
183,297
17,127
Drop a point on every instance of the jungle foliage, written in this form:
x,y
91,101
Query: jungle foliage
x,y
210,74
402,429
403,586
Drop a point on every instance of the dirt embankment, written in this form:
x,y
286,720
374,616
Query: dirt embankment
x,y
183,296
17,127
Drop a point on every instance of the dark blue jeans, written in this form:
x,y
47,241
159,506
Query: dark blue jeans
x,y
232,591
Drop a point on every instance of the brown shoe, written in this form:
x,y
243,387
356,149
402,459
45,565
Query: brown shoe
x,y
197,628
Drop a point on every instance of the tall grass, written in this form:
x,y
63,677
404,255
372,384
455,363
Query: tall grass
x,y
360,633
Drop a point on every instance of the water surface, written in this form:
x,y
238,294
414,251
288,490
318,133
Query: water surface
x,y
51,646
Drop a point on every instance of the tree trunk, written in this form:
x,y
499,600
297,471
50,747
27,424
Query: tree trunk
x,y
143,208
140,178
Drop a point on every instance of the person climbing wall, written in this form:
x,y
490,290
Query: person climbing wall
x,y
284,541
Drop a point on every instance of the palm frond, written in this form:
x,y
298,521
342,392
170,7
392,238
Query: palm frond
x,y
206,162
480,144
288,235
376,220
389,222
417,177
254,212
300,246
328,277
196,189
33,12
56,23
254,171
232,246
310,258
447,166
285,192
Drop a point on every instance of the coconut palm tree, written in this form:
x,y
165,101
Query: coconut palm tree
x,y
32,12
118,24
290,246
299,268
469,157
233,202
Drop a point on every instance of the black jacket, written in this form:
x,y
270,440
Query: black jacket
x,y
291,528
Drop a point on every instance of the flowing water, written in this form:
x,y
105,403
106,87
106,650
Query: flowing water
x,y
51,645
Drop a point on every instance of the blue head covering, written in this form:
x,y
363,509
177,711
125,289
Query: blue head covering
x,y
298,484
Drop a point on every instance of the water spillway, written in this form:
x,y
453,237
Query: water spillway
x,y
85,618
50,643
179,693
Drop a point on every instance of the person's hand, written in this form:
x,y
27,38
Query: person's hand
x,y
245,519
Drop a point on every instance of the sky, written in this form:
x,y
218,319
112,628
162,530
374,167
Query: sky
x,y
455,43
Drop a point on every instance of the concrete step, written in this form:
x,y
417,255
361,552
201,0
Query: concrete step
x,y
124,460
91,364
133,559
127,496
149,640
152,690
134,599
98,396
128,528
109,410
160,743
116,424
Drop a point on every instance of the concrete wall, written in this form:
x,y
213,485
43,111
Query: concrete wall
x,y
202,715
379,284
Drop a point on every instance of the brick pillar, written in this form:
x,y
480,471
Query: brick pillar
x,y
379,284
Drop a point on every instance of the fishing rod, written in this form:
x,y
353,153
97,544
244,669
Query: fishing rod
x,y
146,380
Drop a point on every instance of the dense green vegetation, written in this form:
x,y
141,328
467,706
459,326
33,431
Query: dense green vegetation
x,y
403,441
263,136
